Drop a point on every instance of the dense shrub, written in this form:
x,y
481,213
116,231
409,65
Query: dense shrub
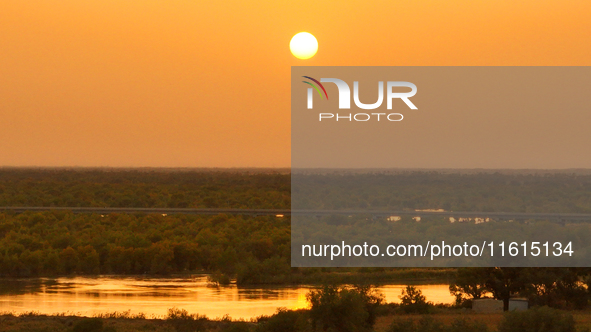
x,y
343,309
562,288
283,321
412,300
428,324
238,327
182,321
68,243
88,325
539,319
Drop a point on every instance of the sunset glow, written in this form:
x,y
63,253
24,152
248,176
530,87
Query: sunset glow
x,y
206,84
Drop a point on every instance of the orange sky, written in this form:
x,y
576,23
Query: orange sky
x,y
206,84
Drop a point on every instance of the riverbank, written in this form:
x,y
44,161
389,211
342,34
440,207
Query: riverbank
x,y
120,322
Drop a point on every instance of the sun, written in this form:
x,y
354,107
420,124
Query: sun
x,y
303,45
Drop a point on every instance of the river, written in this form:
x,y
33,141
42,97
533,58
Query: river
x,y
88,296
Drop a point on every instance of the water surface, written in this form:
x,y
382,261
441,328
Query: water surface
x,y
89,296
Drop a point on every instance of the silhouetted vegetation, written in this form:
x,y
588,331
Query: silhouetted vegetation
x,y
182,321
344,309
565,288
345,303
429,324
542,319
331,308
88,325
284,321
412,300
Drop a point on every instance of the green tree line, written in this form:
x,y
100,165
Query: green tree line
x,y
144,188
57,242
189,188
490,192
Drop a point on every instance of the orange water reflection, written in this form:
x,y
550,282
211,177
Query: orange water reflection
x,y
154,296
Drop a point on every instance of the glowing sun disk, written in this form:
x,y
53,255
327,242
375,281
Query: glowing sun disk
x,y
303,45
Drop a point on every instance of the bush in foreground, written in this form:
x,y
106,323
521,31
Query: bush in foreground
x,y
539,319
283,320
412,300
343,309
182,321
428,324
88,325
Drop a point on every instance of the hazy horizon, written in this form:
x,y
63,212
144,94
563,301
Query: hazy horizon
x,y
577,171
